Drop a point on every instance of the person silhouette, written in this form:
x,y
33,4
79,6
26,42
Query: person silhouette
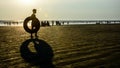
x,y
33,24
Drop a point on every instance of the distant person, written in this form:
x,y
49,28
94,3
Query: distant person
x,y
52,23
33,24
63,23
48,24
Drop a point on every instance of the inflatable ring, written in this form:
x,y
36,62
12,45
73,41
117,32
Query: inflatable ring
x,y
35,23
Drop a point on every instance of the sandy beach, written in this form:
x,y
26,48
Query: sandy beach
x,y
80,46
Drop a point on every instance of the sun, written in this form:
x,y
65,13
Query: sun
x,y
27,2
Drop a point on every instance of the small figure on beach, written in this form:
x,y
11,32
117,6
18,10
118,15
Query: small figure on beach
x,y
35,24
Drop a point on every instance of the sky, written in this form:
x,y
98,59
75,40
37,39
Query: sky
x,y
60,9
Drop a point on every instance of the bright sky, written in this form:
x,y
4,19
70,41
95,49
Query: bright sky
x,y
60,9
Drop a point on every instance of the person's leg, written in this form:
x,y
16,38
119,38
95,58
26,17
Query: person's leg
x,y
31,35
36,35
31,29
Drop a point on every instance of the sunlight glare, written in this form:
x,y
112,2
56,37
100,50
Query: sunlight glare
x,y
27,2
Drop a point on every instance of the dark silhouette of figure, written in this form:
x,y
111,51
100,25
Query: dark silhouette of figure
x,y
52,23
58,23
33,24
43,55
45,23
41,22
63,23
48,24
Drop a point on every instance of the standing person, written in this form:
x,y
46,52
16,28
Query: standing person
x,y
33,24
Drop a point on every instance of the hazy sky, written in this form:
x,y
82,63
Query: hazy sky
x,y
60,9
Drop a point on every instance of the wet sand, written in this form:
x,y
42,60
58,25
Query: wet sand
x,y
82,46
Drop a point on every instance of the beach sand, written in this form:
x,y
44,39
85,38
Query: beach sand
x,y
81,46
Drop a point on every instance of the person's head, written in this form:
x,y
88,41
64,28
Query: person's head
x,y
34,10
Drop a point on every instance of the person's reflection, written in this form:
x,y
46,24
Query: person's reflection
x,y
43,55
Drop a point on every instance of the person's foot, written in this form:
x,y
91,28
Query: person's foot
x,y
36,36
